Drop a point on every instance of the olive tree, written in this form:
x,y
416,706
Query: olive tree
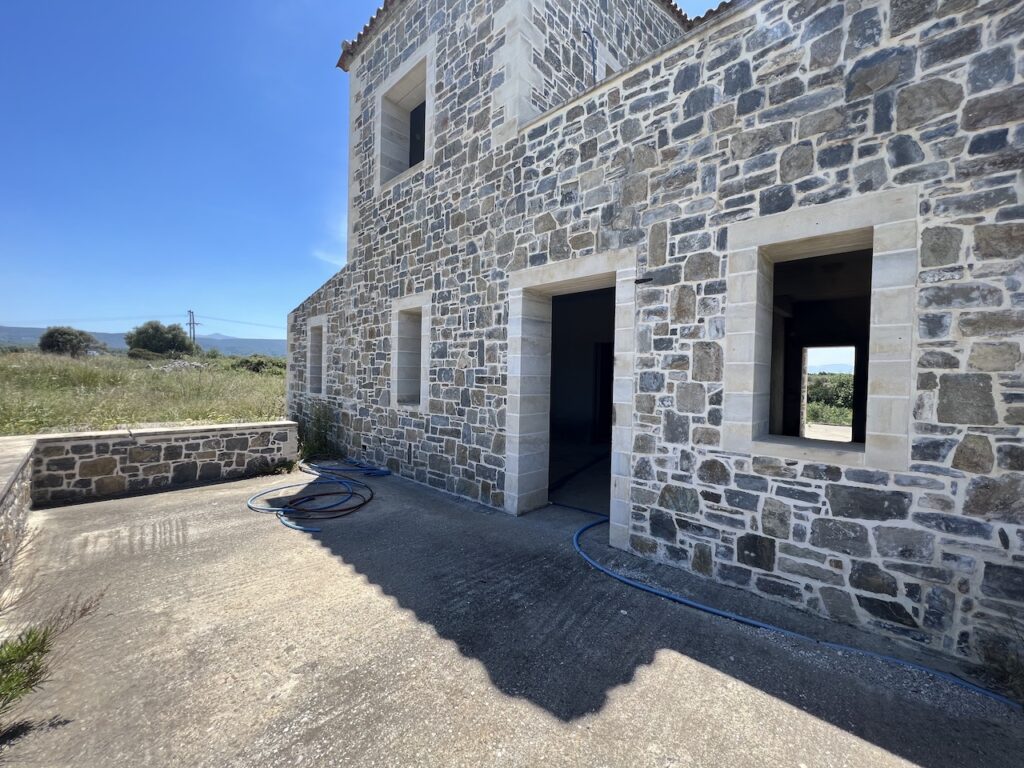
x,y
62,340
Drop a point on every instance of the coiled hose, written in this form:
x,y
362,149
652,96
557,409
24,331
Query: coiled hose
x,y
336,492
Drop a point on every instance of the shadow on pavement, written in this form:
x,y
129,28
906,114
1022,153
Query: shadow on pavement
x,y
512,594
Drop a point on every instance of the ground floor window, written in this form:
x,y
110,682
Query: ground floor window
x,y
315,359
821,324
819,332
410,351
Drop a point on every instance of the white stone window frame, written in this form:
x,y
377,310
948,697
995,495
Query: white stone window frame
x,y
320,322
529,378
887,223
421,303
423,55
606,61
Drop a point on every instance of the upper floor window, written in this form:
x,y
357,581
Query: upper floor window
x,y
404,122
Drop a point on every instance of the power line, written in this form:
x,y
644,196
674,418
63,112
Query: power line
x,y
190,318
240,322
50,321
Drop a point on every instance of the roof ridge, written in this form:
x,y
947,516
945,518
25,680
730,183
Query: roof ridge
x,y
351,48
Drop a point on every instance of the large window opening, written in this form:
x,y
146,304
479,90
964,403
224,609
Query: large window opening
x,y
820,336
315,359
403,140
582,371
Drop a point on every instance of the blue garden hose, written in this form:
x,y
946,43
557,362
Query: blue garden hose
x,y
949,678
342,494
335,493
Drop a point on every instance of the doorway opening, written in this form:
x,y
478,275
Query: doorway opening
x,y
581,416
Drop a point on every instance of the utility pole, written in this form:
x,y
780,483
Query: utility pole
x,y
192,326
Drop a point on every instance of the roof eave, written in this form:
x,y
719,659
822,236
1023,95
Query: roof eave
x,y
350,48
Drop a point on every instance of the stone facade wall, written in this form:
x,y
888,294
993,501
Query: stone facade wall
x,y
623,32
447,213
71,468
770,107
15,500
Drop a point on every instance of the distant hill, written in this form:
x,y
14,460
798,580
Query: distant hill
x,y
835,368
227,345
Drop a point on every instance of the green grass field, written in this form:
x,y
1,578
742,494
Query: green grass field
x,y
49,393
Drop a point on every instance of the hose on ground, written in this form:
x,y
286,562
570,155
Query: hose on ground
x,y
336,492
946,676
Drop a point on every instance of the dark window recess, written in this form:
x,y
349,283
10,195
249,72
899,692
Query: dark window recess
x,y
818,302
417,135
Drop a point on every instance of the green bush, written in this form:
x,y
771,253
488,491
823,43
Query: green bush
x,y
833,389
162,339
259,364
819,413
315,432
63,340
144,354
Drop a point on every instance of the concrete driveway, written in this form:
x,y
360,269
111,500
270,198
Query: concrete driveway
x,y
428,631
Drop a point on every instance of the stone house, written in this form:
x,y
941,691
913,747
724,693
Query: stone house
x,y
682,207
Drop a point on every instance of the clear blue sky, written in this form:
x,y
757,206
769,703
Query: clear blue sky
x,y
162,156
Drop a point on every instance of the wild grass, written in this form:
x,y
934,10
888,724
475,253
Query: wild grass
x,y
34,623
50,393
822,413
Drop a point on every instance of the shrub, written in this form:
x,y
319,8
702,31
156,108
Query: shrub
x,y
143,354
154,336
835,389
315,432
259,364
26,650
62,340
819,413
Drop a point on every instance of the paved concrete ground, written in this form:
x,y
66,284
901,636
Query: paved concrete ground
x,y
830,432
12,452
428,631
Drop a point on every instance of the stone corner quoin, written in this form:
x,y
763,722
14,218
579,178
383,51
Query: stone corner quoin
x,y
763,109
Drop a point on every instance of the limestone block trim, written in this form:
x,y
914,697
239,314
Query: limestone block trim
x,y
886,222
420,302
529,377
423,55
516,59
15,500
314,366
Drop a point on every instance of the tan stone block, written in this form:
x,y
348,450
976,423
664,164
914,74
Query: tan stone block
x,y
109,486
97,467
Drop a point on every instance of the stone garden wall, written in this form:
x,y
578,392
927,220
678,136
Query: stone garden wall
x,y
769,107
73,467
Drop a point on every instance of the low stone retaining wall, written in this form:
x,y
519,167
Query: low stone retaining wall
x,y
15,500
76,467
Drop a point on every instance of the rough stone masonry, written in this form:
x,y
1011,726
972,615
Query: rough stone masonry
x,y
785,120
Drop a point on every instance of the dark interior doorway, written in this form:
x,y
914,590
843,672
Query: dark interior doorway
x,y
582,373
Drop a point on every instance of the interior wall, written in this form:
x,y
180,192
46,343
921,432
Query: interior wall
x,y
580,322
